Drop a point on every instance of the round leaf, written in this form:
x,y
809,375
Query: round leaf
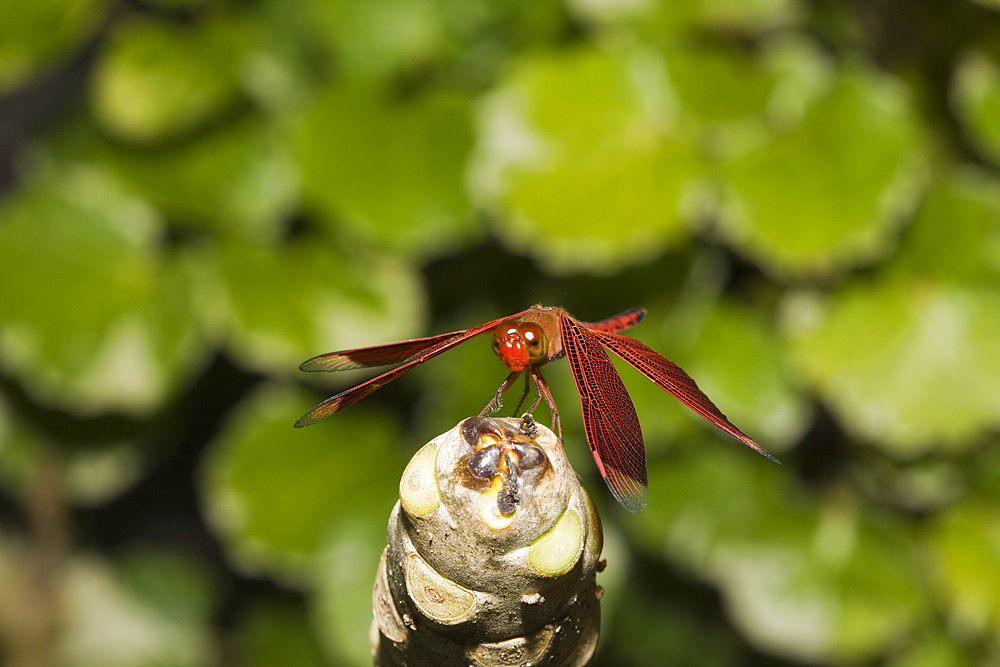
x,y
274,493
157,81
581,161
909,365
977,96
280,306
91,318
827,192
391,173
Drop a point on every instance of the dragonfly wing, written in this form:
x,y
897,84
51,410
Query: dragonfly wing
x,y
672,377
376,355
350,396
345,398
620,322
609,417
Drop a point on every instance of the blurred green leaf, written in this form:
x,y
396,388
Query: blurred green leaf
x,y
931,650
92,317
158,81
106,625
173,583
91,475
240,180
36,35
263,183
965,549
680,639
735,356
718,82
376,38
907,360
582,161
343,597
275,493
801,576
955,233
281,65
976,94
274,633
735,15
665,17
389,173
828,192
713,497
910,366
281,306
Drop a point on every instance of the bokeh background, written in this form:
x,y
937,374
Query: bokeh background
x,y
197,195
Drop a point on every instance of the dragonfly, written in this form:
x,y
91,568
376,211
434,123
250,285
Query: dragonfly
x,y
525,342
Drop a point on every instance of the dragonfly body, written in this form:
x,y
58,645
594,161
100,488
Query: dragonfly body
x,y
525,342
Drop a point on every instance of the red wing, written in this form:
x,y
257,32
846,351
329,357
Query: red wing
x,y
348,397
612,426
616,323
377,355
672,377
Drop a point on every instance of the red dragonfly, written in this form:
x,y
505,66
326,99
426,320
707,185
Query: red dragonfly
x,y
528,340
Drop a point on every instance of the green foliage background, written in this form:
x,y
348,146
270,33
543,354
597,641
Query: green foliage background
x,y
196,195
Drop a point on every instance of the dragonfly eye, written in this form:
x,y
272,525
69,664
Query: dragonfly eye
x,y
534,339
516,350
504,331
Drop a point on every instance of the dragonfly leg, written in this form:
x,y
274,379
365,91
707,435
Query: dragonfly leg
x,y
544,392
497,401
524,395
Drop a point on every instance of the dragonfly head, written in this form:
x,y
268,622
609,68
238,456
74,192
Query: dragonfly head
x,y
520,344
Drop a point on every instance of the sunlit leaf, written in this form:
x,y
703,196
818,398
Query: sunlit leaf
x,y
374,38
828,192
976,94
727,14
675,17
719,83
91,316
391,173
924,376
932,650
735,356
955,234
802,576
346,574
582,162
965,548
274,493
158,80
239,180
280,306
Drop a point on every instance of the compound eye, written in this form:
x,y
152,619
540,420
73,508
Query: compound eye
x,y
503,332
535,339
